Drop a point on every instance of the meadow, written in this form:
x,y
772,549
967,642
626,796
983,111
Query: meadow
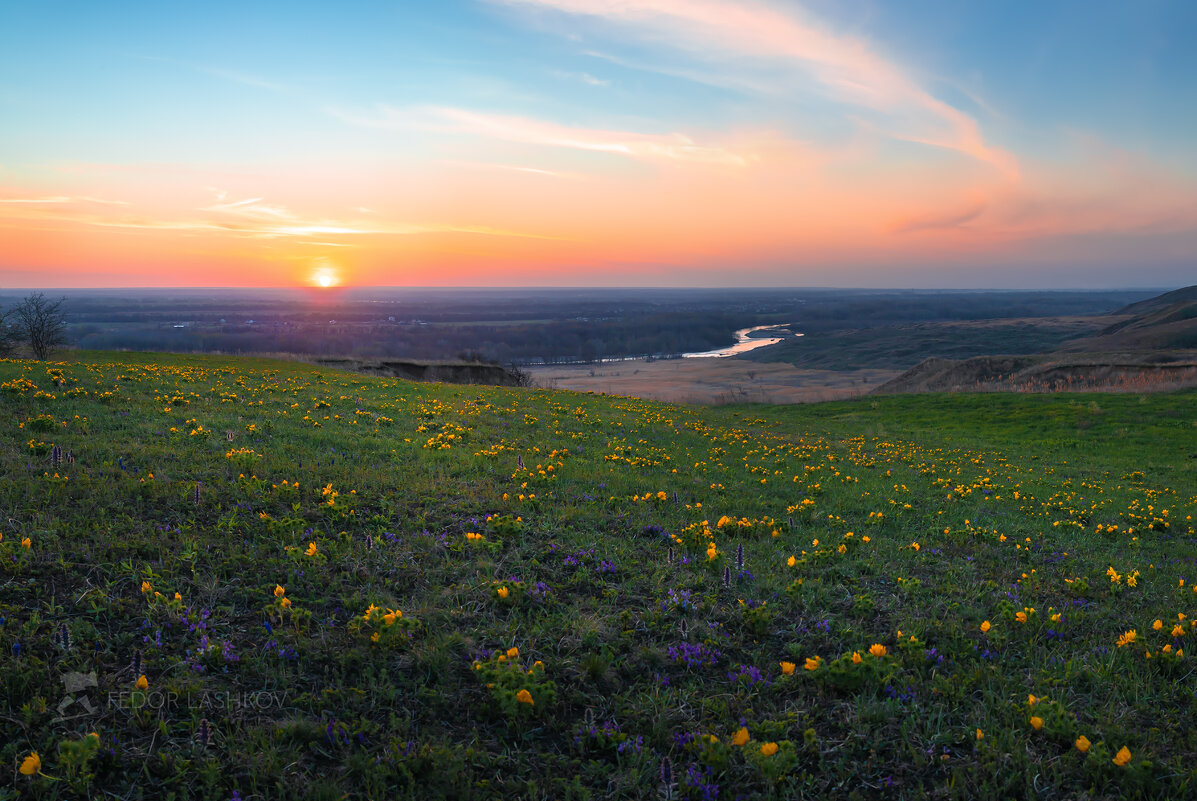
x,y
233,578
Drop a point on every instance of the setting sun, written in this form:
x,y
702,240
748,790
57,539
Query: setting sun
x,y
325,277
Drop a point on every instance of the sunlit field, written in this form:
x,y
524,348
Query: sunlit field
x,y
233,578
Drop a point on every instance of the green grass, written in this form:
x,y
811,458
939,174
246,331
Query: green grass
x,y
635,640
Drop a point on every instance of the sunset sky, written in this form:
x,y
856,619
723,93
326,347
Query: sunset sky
x,y
599,142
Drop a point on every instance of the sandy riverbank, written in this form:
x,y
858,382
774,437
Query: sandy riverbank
x,y
711,381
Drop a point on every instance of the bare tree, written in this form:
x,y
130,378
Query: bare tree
x,y
9,335
41,323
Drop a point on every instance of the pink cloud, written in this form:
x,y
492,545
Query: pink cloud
x,y
525,130
939,221
1098,190
847,67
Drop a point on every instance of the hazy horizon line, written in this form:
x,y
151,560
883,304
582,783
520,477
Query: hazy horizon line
x,y
579,288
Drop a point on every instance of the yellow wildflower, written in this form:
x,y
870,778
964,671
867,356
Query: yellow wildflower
x,y
1157,625
788,668
142,682
1127,638
502,591
856,659
513,652
1036,722
312,549
985,627
740,737
877,649
279,592
980,735
769,749
525,697
1082,744
1123,757
812,663
32,764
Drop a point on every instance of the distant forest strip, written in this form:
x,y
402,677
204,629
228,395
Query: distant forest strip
x,y
512,343
531,326
903,346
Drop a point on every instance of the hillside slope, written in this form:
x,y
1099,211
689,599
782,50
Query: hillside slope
x,y
1149,345
1149,306
244,578
1170,327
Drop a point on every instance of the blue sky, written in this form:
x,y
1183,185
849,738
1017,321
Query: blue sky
x,y
589,141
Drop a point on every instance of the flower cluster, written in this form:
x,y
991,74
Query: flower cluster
x,y
518,691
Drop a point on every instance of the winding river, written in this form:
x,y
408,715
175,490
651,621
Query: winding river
x,y
744,343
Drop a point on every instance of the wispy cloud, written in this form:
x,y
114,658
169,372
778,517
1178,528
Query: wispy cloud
x,y
244,79
515,168
62,199
525,130
748,34
249,218
1101,190
584,77
726,79
250,207
939,221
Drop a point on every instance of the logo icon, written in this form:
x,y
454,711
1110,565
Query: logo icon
x,y
76,686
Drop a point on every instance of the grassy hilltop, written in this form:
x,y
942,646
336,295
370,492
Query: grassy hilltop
x,y
300,583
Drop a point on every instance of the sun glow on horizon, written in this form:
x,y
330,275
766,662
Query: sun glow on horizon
x,y
591,142
325,277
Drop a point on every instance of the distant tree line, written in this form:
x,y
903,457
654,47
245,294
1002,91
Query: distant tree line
x,y
519,343
892,308
507,327
37,323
